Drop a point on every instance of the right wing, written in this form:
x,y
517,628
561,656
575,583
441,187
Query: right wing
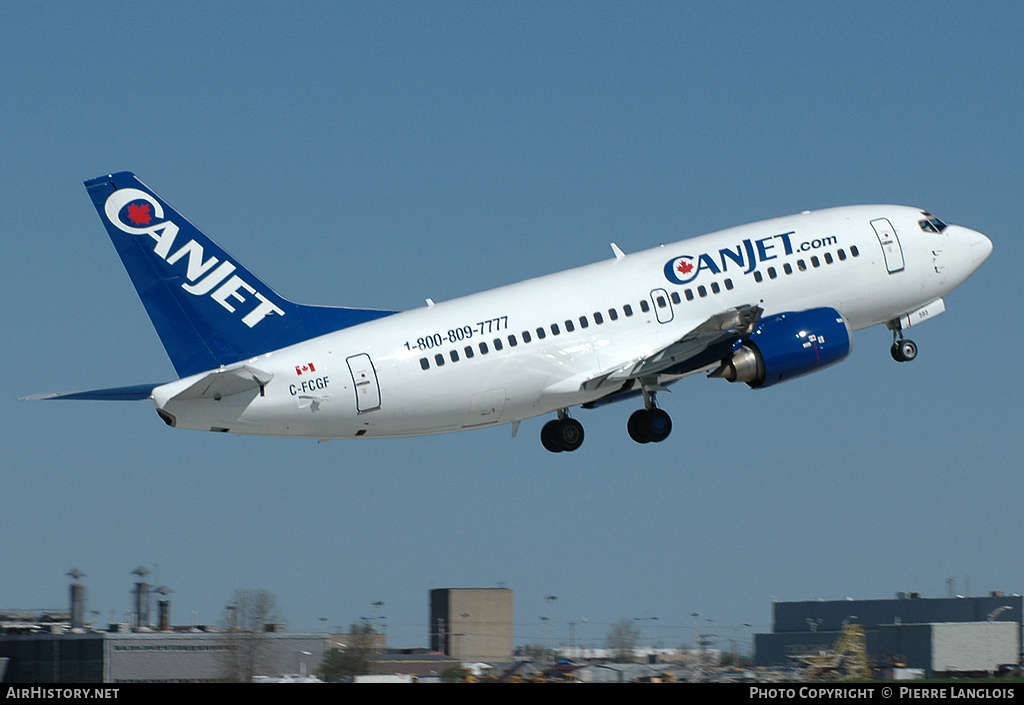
x,y
687,353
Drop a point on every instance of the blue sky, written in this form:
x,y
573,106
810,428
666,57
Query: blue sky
x,y
374,154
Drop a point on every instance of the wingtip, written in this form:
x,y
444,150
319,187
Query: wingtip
x,y
39,397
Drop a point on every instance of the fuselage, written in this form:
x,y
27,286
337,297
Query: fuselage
x,y
526,349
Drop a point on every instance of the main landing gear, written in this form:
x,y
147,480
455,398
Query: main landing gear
x,y
650,424
903,349
647,425
562,434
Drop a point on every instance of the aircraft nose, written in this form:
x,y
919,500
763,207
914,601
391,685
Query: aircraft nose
x,y
981,246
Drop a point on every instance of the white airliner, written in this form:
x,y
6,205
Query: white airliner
x,y
760,303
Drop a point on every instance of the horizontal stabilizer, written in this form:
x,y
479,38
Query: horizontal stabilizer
x,y
136,392
225,383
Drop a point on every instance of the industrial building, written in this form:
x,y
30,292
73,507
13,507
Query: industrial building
x,y
61,646
472,624
936,636
53,646
133,657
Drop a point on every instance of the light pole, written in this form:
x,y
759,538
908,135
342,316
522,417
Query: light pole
x,y
735,642
382,624
583,634
992,616
698,644
547,637
550,599
696,627
641,621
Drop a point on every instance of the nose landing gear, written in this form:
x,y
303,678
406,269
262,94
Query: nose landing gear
x,y
903,349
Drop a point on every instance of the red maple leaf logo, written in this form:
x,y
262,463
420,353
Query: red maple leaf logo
x,y
138,213
684,267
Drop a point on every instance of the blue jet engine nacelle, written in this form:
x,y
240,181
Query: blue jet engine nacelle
x,y
788,345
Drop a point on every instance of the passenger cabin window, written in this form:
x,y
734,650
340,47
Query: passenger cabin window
x,y
497,344
554,329
483,348
469,351
569,327
424,363
828,258
854,251
676,299
613,314
541,334
598,318
512,342
628,310
583,322
728,284
439,360
644,306
689,294
526,336
702,291
455,355
715,288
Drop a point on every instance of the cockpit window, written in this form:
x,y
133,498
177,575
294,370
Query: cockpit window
x,y
931,224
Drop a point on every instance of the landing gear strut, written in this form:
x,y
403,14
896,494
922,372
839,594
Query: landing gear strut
x,y
562,434
650,424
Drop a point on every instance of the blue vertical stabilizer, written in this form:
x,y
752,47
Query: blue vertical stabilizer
x,y
207,308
